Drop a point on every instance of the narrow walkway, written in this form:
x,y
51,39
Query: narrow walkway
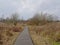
x,y
24,38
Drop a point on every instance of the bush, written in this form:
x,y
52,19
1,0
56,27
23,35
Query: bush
x,y
15,29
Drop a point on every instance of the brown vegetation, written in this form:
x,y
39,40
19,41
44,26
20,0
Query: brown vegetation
x,y
48,34
9,33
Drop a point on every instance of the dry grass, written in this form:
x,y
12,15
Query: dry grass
x,y
48,34
9,33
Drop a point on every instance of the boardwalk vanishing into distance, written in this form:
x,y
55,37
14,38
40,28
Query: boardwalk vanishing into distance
x,y
24,38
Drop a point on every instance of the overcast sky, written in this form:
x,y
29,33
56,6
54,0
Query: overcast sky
x,y
27,8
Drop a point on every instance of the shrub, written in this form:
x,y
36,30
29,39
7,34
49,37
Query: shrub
x,y
15,29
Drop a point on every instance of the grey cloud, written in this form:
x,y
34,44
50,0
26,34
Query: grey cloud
x,y
27,8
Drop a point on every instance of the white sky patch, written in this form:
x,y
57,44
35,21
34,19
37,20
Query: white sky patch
x,y
29,4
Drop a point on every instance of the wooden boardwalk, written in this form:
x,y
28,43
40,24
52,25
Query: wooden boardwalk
x,y
24,38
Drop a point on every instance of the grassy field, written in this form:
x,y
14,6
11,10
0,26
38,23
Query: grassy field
x,y
48,34
9,33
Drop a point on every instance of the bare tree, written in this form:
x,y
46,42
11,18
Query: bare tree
x,y
2,18
15,18
50,18
41,18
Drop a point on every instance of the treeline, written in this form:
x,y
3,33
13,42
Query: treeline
x,y
37,19
42,18
14,18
